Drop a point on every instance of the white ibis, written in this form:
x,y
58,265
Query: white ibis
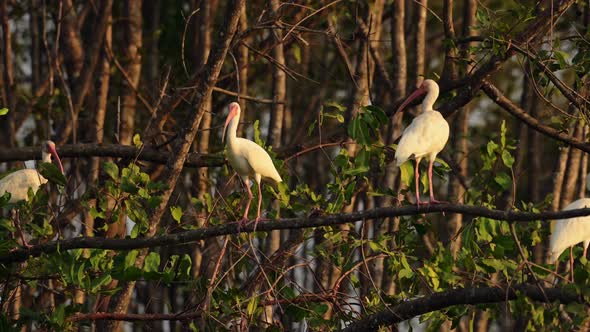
x,y
569,232
19,182
248,159
426,136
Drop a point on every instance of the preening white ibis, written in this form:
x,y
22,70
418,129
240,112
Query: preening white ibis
x,y
569,232
19,182
426,136
248,159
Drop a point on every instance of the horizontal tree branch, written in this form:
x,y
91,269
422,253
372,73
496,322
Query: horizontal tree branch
x,y
461,296
395,314
95,316
496,95
111,150
21,255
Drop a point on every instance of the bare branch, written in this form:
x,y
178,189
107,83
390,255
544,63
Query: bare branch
x,y
460,296
21,255
496,95
114,151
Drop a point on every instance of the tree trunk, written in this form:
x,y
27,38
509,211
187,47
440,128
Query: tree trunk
x,y
133,25
8,129
72,44
204,84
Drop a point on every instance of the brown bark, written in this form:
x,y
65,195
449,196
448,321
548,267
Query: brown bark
x,y
8,128
243,64
399,81
279,79
449,72
204,84
73,50
573,167
203,31
279,92
36,44
132,66
84,82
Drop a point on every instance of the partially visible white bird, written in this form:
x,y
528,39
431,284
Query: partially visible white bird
x,y
19,182
426,136
569,232
248,159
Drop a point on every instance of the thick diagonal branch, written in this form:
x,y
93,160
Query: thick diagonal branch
x,y
202,89
498,97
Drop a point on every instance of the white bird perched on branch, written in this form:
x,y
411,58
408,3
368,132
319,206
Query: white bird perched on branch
x,y
248,159
569,232
426,136
19,182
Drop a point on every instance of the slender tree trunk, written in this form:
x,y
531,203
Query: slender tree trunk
x,y
450,66
203,37
71,41
8,129
133,25
279,92
36,44
460,131
243,64
573,168
203,84
152,24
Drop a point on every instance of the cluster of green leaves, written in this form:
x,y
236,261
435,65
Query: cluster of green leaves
x,y
130,191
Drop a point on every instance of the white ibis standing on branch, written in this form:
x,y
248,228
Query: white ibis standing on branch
x,y
569,232
19,182
426,136
248,159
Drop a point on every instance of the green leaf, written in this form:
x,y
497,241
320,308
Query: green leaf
x,y
491,148
407,170
3,111
252,305
296,53
52,173
137,140
176,212
504,180
507,158
152,262
111,169
357,170
98,283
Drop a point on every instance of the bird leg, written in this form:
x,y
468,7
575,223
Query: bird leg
x,y
417,180
244,220
432,200
259,204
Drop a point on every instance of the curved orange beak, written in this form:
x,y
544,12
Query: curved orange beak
x,y
53,152
233,111
418,93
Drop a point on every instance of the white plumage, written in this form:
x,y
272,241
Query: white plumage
x,y
247,158
19,182
425,137
569,232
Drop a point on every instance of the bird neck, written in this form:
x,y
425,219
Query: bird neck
x,y
232,130
428,103
45,157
